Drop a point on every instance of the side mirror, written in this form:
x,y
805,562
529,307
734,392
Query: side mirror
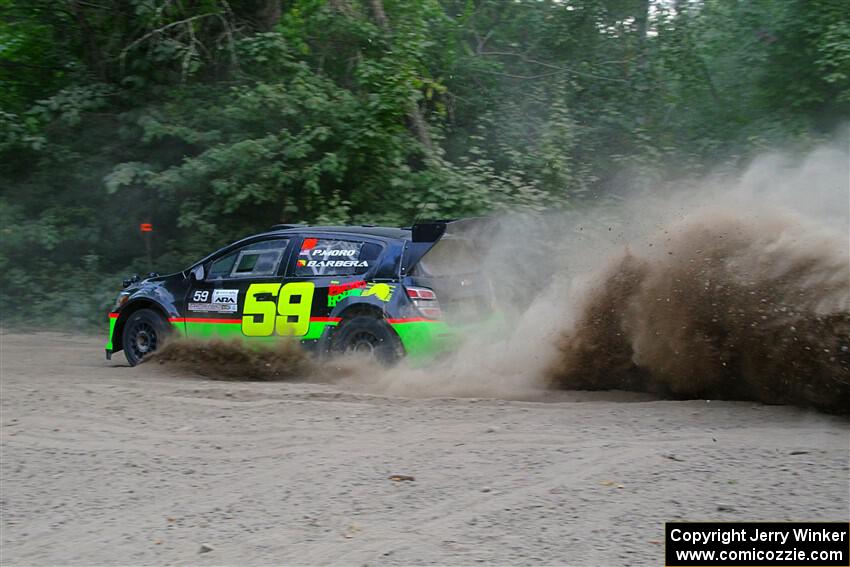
x,y
197,273
131,280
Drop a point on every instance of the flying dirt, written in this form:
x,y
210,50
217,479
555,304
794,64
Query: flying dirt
x,y
723,307
231,360
730,289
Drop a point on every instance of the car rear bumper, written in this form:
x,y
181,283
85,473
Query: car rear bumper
x,y
424,339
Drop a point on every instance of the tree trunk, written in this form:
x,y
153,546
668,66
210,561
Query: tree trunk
x,y
416,122
268,15
92,51
641,21
380,15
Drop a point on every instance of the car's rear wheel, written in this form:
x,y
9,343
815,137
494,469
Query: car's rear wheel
x,y
144,332
368,336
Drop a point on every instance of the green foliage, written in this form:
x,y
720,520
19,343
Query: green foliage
x,y
214,119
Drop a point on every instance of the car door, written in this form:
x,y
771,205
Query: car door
x,y
337,267
240,291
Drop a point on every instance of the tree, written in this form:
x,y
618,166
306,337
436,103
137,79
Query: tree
x,y
216,118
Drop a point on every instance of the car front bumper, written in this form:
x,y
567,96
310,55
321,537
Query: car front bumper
x,y
113,318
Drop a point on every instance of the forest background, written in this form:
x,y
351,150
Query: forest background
x,y
214,119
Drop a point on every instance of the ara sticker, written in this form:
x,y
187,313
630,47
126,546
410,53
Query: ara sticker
x,y
226,296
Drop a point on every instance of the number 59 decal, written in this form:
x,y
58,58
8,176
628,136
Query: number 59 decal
x,y
288,314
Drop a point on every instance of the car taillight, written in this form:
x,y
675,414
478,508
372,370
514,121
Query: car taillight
x,y
420,293
425,301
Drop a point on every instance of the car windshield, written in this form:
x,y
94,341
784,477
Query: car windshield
x,y
450,257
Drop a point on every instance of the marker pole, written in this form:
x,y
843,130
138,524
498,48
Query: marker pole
x,y
146,229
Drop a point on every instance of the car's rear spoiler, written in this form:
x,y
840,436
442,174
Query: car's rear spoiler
x,y
474,228
425,235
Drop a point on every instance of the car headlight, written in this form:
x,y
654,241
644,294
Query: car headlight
x,y
122,299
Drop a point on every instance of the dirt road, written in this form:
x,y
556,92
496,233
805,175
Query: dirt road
x,y
106,465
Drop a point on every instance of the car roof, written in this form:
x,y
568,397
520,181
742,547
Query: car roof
x,y
379,231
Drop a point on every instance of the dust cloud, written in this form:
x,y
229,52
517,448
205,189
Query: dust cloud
x,y
234,360
725,307
735,287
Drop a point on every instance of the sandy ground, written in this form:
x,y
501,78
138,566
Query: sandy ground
x,y
107,465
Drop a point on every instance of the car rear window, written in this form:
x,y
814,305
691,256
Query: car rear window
x,y
332,257
450,257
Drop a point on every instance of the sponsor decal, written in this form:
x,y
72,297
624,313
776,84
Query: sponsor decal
x,y
338,288
226,296
337,264
382,291
213,307
223,301
327,253
338,292
272,309
325,256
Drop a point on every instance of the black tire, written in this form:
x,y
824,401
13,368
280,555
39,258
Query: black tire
x,y
365,334
144,332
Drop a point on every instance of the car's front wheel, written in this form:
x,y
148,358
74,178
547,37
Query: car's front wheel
x,y
144,332
370,336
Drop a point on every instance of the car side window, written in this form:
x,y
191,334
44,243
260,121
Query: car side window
x,y
257,259
332,257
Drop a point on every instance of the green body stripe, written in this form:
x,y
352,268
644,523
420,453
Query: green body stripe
x,y
422,339
112,321
197,330
225,331
317,328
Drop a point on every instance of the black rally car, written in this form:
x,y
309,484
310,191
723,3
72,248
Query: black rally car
x,y
385,291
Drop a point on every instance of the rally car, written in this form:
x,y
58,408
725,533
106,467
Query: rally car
x,y
388,292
